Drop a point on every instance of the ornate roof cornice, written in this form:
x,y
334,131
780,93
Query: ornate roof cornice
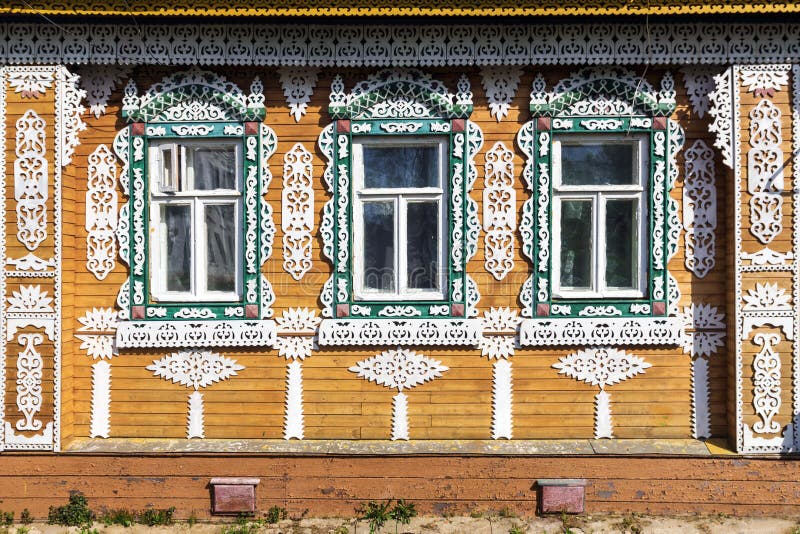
x,y
394,45
294,8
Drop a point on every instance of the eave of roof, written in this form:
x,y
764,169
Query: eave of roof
x,y
369,8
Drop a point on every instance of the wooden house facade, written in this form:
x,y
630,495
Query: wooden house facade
x,y
425,252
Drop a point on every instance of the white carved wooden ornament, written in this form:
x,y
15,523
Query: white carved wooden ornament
x,y
765,181
298,86
297,329
704,327
502,400
101,213
721,99
297,210
30,83
764,80
294,422
699,82
99,82
500,85
100,426
31,180
700,208
601,366
399,369
195,369
767,296
499,211
766,383
29,381
195,419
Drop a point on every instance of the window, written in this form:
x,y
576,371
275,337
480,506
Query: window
x,y
400,218
600,225
400,225
197,229
599,215
195,221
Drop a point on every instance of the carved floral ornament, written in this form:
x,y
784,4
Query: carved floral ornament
x,y
399,369
195,369
601,366
193,95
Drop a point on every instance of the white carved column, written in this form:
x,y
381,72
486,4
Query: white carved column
x,y
765,253
704,334
97,339
500,326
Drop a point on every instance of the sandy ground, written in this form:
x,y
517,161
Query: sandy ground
x,y
634,524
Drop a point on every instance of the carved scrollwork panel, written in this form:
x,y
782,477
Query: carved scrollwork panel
x,y
297,210
101,212
31,180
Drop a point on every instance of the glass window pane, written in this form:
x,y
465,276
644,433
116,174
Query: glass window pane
x,y
401,166
622,234
168,182
214,168
598,164
576,244
221,247
178,234
379,246
423,245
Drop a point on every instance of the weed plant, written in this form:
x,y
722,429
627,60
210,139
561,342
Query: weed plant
x,y
157,516
74,514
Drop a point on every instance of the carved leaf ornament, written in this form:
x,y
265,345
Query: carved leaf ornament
x,y
195,369
601,366
399,369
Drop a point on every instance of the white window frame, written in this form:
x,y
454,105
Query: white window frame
x,y
401,198
198,201
599,195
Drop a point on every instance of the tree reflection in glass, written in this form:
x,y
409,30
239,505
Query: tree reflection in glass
x,y
379,246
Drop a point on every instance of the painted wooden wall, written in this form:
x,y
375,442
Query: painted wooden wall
x,y
338,404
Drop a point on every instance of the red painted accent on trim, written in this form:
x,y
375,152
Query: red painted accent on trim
x,y
343,126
